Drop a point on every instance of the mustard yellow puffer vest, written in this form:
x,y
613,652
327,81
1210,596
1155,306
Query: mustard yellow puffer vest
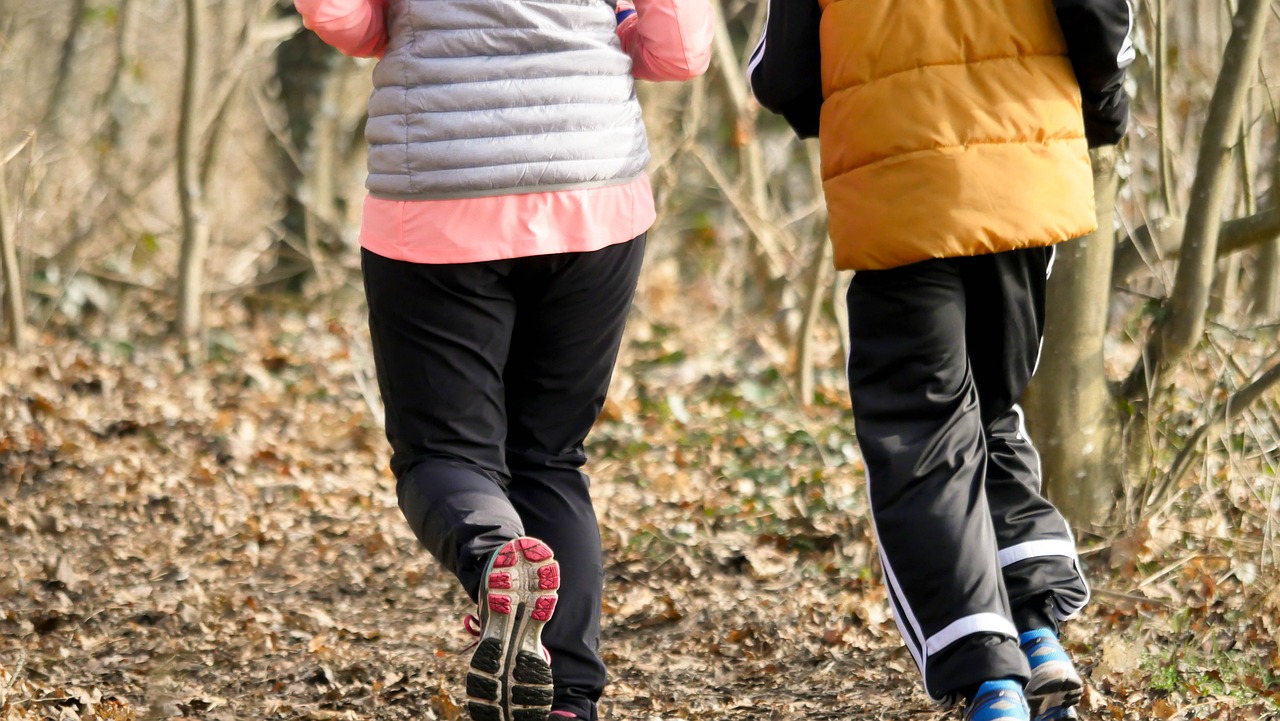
x,y
949,128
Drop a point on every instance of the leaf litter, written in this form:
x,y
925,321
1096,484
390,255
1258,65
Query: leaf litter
x,y
224,543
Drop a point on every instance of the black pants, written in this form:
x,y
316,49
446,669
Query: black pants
x,y
492,375
941,352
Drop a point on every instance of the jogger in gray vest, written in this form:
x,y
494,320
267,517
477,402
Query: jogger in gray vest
x,y
501,245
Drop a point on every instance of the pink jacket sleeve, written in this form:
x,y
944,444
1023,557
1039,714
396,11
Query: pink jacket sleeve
x,y
355,27
666,39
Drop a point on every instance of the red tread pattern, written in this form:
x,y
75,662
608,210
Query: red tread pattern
x,y
534,550
499,603
543,607
506,557
549,577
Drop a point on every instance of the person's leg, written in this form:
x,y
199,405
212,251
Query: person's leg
x,y
440,337
915,411
1006,297
573,308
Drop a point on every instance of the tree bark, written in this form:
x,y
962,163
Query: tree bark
x,y
1184,324
58,94
1158,240
816,278
1167,192
1227,283
816,283
195,222
304,65
1266,291
14,308
772,275
1070,411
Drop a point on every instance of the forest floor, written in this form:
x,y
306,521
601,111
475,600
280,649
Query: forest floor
x,y
224,543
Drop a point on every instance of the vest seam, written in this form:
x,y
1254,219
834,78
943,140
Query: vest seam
x,y
472,138
609,103
962,146
498,192
446,84
974,61
594,159
404,104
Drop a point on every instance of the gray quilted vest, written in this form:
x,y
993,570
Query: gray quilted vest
x,y
495,97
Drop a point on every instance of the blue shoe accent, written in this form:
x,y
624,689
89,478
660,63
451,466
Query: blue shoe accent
x,y
1054,686
1041,646
998,701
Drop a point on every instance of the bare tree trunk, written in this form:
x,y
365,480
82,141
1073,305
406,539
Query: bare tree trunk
x,y
816,277
1227,282
1182,327
121,62
303,66
14,310
195,223
817,281
59,92
1070,411
1167,193
751,158
1266,294
1266,300
839,303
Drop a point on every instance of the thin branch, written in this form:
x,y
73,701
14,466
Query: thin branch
x,y
760,227
1160,238
1182,327
1235,404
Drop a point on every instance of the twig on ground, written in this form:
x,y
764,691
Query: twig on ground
x,y
1155,601
17,673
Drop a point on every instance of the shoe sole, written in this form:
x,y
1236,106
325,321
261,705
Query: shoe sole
x,y
1060,714
1051,693
509,679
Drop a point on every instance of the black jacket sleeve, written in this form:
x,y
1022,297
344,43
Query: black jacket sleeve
x,y
1100,48
785,70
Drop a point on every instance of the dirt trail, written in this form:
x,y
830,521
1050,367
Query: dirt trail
x,y
223,544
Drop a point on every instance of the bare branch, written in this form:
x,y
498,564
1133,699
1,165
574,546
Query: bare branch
x,y
760,227
195,223
1159,238
816,280
1236,404
1184,324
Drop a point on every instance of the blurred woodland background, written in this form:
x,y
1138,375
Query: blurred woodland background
x,y
196,520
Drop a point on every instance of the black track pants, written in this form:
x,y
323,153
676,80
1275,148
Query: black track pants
x,y
492,375
940,353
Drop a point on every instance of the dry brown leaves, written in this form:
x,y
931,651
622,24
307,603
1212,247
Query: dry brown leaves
x,y
224,543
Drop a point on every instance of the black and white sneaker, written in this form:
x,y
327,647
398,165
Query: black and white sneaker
x,y
510,676
1055,687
